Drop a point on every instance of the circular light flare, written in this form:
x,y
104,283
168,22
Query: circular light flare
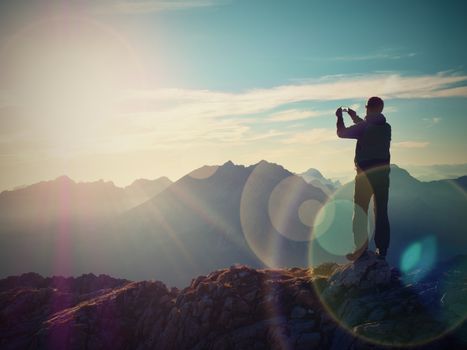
x,y
308,213
270,215
417,262
332,236
292,206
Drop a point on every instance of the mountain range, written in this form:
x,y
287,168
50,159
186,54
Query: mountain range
x,y
43,203
262,215
437,171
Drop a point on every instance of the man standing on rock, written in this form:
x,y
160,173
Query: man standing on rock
x,y
372,159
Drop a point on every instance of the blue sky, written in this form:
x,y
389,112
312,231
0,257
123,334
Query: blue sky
x,y
244,44
127,89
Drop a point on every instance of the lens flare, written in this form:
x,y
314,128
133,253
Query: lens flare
x,y
293,207
423,303
418,259
426,302
273,206
308,213
332,236
411,257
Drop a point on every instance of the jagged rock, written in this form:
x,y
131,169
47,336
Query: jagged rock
x,y
298,327
298,312
367,273
339,307
377,315
308,341
341,339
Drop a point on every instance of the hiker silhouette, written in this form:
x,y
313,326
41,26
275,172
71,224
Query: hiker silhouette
x,y
372,164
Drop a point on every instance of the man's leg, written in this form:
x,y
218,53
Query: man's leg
x,y
362,195
380,183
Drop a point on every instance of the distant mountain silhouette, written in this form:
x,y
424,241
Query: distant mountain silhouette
x,y
421,211
194,225
460,181
44,203
317,179
142,190
437,171
36,218
214,217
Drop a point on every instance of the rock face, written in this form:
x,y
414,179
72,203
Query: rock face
x,y
366,274
355,306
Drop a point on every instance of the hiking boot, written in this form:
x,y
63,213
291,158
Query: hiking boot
x,y
381,254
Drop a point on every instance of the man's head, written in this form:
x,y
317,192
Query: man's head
x,y
374,105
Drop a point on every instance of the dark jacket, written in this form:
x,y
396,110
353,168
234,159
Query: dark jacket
x,y
373,136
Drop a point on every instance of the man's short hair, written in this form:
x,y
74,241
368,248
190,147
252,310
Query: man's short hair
x,y
375,102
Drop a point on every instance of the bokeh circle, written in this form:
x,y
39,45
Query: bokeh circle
x,y
425,300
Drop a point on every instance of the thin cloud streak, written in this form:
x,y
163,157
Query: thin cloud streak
x,y
375,56
411,144
142,7
312,137
187,116
178,118
294,114
432,121
209,103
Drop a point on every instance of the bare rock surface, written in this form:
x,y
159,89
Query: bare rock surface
x,y
353,306
366,273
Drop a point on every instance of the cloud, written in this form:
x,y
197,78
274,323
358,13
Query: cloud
x,y
374,56
193,116
182,118
410,144
209,103
453,92
432,121
390,109
294,114
386,53
311,137
150,6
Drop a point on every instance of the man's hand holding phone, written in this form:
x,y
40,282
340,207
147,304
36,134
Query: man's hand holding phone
x,y
352,113
339,112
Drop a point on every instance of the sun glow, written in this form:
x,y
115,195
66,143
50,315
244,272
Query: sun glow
x,y
66,76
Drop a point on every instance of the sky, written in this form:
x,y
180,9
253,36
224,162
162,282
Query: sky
x,y
120,90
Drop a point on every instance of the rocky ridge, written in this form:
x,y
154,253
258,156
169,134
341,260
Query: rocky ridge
x,y
365,305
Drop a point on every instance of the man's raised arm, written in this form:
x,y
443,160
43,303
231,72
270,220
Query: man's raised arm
x,y
352,132
356,119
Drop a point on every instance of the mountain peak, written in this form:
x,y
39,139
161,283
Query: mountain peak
x,y
314,173
313,176
64,178
140,181
264,165
264,162
400,173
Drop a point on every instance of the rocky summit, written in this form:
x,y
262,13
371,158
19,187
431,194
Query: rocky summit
x,y
361,305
